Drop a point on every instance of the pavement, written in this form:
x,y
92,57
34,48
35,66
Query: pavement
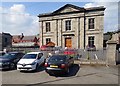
x,y
79,74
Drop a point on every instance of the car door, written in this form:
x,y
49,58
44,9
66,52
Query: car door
x,y
40,58
16,58
70,60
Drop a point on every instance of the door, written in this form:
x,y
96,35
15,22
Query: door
x,y
68,42
40,58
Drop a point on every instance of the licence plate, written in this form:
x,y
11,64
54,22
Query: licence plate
x,y
54,66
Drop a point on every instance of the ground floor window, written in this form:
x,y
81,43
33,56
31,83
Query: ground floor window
x,y
91,41
48,40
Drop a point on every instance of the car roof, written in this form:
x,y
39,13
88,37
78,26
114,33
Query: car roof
x,y
58,55
34,52
14,52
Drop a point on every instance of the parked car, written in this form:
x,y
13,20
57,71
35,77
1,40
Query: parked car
x,y
58,64
2,53
9,60
31,61
46,48
90,47
70,52
43,47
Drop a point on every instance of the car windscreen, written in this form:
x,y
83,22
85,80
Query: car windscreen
x,y
9,55
57,59
29,56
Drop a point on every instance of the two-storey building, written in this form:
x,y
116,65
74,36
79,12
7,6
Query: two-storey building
x,y
73,27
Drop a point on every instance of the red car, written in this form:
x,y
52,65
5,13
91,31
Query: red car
x,y
44,47
70,52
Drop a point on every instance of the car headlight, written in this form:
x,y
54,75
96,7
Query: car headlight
x,y
33,63
18,64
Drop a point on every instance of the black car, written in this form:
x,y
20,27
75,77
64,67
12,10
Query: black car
x,y
9,60
58,64
1,53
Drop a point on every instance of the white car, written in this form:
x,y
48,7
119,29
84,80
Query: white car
x,y
31,61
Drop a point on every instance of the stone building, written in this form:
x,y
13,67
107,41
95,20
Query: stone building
x,y
73,27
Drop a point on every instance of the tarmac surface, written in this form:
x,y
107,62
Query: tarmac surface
x,y
79,74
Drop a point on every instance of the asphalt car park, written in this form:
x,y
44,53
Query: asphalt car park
x,y
79,74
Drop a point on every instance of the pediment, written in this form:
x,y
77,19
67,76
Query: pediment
x,y
68,8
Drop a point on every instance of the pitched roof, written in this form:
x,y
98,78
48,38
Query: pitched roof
x,y
69,5
28,37
15,36
5,34
79,9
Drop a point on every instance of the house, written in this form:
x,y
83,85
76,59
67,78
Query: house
x,y
5,40
105,39
25,41
73,27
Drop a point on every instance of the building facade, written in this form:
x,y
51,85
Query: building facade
x,y
5,40
73,27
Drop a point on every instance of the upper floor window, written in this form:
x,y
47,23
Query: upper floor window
x,y
91,41
91,23
6,40
48,27
68,25
48,40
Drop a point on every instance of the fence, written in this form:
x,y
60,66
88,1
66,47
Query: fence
x,y
81,54
28,49
92,55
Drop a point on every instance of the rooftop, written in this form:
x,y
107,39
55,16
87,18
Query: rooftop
x,y
77,9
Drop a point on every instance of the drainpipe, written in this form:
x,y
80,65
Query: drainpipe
x,y
78,32
84,30
61,34
57,31
42,32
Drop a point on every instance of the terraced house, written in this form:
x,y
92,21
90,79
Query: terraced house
x,y
72,26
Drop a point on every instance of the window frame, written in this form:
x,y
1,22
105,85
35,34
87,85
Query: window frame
x,y
91,41
48,40
67,25
48,27
91,23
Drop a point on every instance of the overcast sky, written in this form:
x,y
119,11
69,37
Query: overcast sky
x,y
21,17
